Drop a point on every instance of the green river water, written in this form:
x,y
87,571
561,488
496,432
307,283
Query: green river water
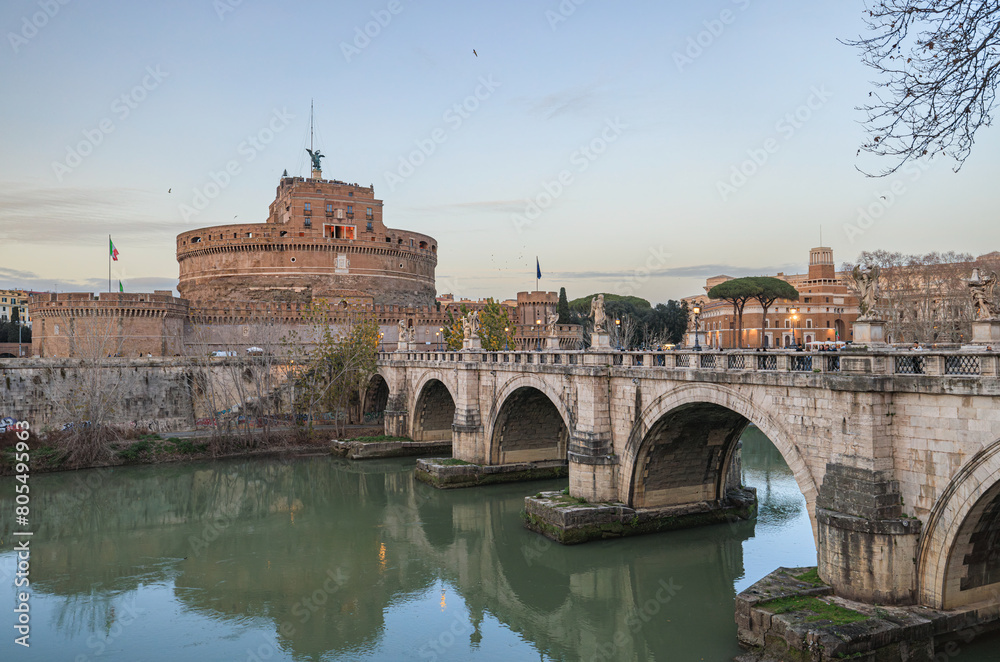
x,y
317,558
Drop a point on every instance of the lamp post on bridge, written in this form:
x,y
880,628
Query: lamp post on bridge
x,y
795,317
697,319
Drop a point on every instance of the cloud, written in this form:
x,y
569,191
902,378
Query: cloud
x,y
692,271
568,101
65,215
489,206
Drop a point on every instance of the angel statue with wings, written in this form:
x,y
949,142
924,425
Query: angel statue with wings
x,y
982,295
866,282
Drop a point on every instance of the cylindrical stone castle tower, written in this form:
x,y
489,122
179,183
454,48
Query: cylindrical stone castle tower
x,y
322,239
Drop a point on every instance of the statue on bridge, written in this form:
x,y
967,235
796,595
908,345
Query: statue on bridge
x,y
597,312
550,324
470,325
402,335
866,282
982,295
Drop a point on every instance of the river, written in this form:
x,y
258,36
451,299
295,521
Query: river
x,y
317,558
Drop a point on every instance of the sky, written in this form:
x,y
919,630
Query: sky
x,y
632,147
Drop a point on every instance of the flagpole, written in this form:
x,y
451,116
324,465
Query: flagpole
x,y
109,263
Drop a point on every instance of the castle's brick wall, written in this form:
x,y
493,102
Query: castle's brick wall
x,y
114,324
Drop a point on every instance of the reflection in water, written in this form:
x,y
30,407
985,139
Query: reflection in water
x,y
323,559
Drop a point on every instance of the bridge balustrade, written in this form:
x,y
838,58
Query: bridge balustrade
x,y
886,362
802,363
962,365
909,365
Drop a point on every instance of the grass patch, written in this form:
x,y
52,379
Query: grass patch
x,y
135,450
184,446
810,577
452,462
381,437
821,611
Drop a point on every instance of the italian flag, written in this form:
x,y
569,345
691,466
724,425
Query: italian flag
x,y
114,251
121,288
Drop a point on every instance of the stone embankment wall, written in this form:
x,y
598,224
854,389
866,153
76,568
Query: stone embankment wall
x,y
156,394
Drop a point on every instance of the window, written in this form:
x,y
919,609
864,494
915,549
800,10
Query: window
x,y
350,194
350,209
368,214
809,324
371,226
329,208
308,223
309,207
339,231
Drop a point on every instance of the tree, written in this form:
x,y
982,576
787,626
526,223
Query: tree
x,y
939,66
923,297
564,315
332,367
737,291
495,328
454,334
772,289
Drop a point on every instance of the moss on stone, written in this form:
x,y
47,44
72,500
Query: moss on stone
x,y
820,610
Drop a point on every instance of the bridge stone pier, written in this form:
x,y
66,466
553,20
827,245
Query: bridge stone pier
x,y
897,453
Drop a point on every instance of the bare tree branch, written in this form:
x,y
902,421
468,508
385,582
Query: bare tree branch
x,y
938,63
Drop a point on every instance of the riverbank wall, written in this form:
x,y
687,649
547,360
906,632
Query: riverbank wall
x,y
149,394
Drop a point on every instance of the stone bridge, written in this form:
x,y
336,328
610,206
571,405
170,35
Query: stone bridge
x,y
897,453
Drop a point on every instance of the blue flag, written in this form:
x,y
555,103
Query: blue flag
x,y
538,268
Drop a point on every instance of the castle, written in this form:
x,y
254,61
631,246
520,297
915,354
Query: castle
x,y
245,285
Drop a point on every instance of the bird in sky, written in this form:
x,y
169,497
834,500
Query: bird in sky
x,y
169,190
475,53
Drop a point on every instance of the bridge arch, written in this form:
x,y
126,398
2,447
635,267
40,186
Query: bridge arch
x,y
375,398
529,422
706,452
958,560
433,410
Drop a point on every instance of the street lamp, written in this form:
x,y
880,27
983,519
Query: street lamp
x,y
538,333
440,331
618,333
697,318
506,338
795,317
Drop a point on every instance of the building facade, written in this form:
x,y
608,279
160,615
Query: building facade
x,y
14,303
824,312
